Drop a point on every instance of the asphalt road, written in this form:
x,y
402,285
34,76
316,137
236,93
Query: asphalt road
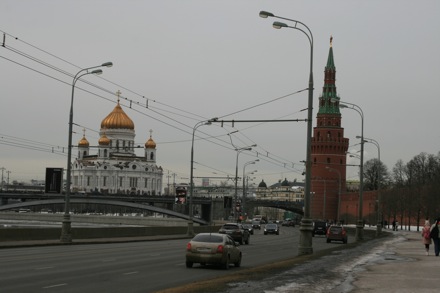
x,y
130,267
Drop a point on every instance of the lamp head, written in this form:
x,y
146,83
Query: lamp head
x,y
107,64
265,14
96,71
279,25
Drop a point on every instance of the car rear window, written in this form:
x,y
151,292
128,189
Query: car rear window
x,y
229,227
271,226
208,238
335,229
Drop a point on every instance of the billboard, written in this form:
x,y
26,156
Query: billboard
x,y
54,180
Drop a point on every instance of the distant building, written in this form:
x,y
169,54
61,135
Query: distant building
x,y
281,191
114,168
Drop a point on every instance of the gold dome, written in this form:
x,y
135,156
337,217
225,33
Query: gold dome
x,y
150,144
104,140
83,142
117,119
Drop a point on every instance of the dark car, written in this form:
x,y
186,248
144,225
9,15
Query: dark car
x,y
288,223
319,228
272,229
236,231
249,228
336,233
213,248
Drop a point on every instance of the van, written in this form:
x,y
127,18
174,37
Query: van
x,y
319,228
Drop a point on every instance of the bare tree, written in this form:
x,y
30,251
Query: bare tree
x,y
375,173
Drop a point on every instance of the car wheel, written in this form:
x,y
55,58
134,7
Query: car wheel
x,y
238,263
328,240
241,241
226,264
345,241
247,240
189,264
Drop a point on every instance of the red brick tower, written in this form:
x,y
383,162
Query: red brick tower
x,y
329,149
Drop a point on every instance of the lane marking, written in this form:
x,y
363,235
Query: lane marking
x,y
44,268
131,273
53,286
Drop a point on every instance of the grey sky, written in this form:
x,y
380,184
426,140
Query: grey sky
x,y
196,60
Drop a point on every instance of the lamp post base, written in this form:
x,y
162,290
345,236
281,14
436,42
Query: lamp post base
x,y
190,231
305,237
378,228
360,231
66,230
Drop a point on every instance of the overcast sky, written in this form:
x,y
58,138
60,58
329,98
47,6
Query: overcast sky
x,y
180,62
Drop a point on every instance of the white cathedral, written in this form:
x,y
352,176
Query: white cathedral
x,y
116,169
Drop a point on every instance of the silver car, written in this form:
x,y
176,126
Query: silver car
x,y
213,248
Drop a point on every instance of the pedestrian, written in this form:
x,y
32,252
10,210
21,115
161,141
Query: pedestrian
x,y
434,235
426,236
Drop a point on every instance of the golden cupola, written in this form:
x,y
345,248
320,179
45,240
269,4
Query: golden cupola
x,y
150,144
83,142
117,119
104,140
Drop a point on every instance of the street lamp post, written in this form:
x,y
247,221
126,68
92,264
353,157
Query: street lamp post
x,y
360,222
239,150
339,190
66,236
244,168
305,241
244,186
190,231
379,174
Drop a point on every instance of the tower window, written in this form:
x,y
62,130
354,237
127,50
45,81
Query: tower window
x,y
328,160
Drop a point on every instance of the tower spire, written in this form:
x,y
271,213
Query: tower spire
x,y
326,106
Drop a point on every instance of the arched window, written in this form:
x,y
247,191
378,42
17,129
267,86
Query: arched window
x,y
151,156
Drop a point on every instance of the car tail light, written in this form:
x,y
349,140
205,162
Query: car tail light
x,y
220,249
188,247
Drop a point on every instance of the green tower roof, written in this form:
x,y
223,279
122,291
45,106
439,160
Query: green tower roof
x,y
326,106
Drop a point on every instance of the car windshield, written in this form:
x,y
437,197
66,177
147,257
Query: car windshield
x,y
208,238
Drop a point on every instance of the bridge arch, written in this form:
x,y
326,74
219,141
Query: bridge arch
x,y
102,202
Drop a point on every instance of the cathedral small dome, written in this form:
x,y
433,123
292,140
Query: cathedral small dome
x,y
104,140
150,144
83,142
117,119
262,184
285,183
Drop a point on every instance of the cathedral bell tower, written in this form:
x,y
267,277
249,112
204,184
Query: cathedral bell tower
x,y
329,149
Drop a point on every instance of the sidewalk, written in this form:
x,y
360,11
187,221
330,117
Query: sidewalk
x,y
405,269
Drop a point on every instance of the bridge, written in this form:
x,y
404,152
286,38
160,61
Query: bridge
x,y
209,207
33,200
296,207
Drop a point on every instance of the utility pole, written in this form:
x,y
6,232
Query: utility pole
x,y
8,172
3,169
